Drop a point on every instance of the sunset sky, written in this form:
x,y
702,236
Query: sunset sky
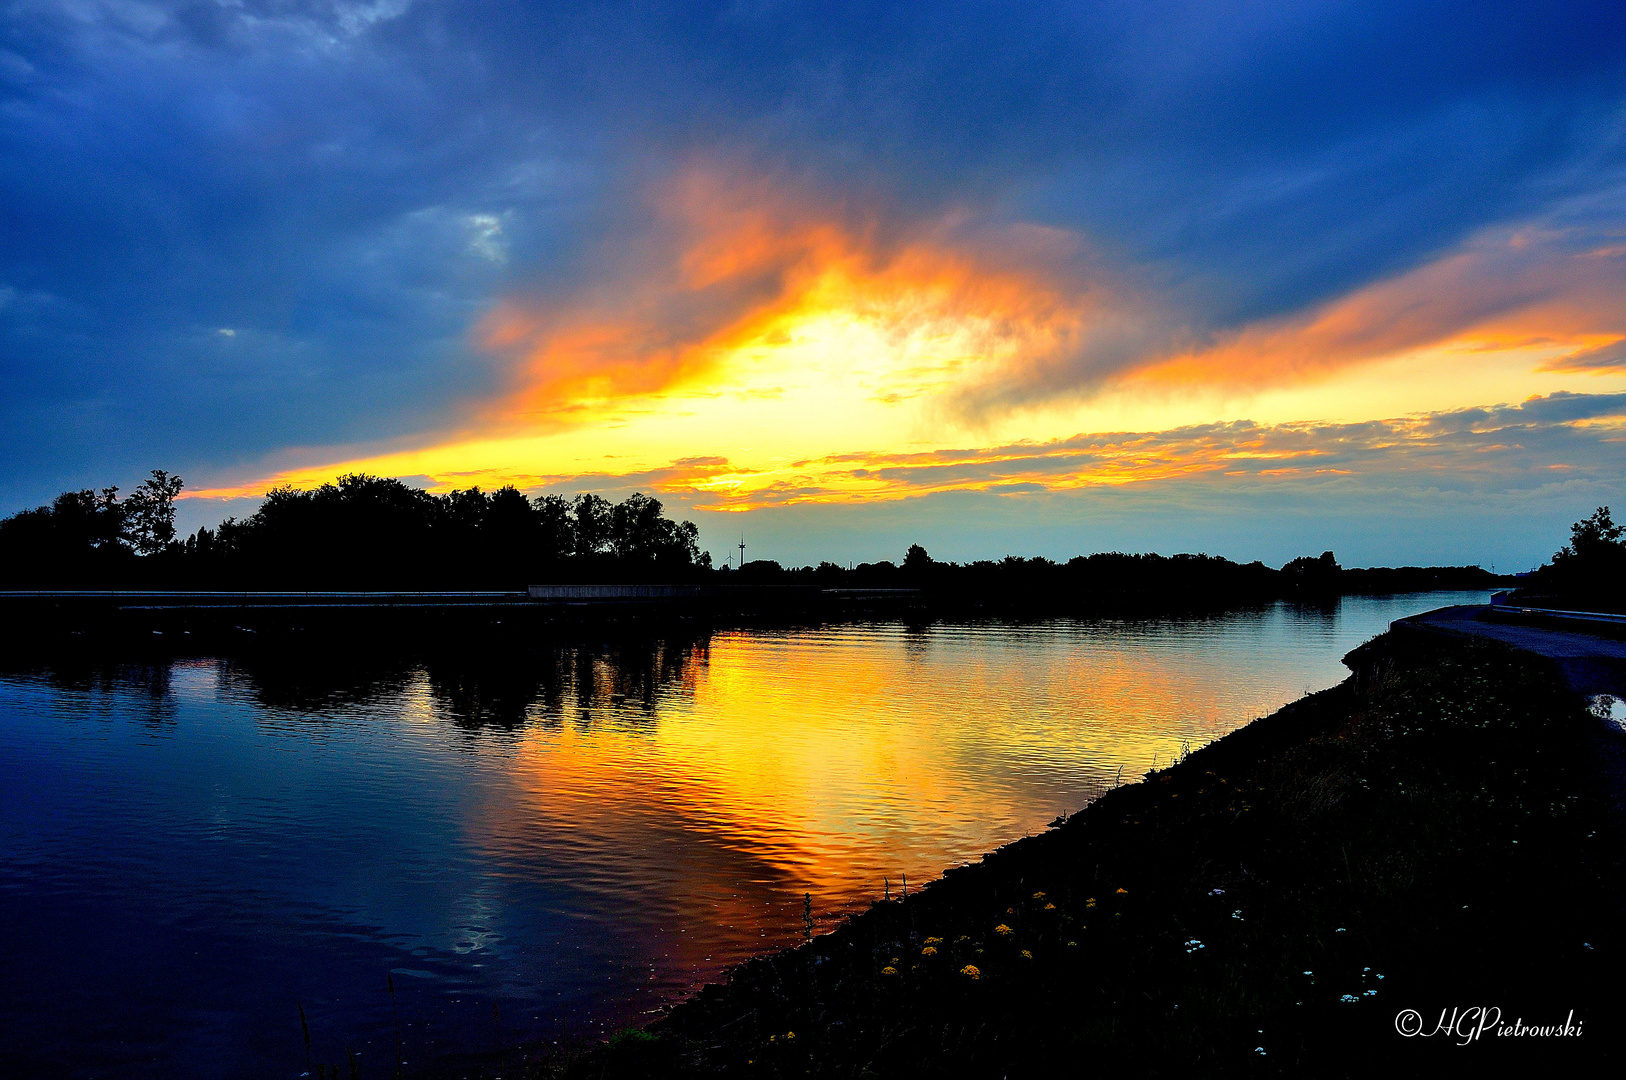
x,y
1251,279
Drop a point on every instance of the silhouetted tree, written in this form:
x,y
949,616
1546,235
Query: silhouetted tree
x,y
1318,576
79,540
641,534
149,513
758,569
1592,539
510,531
590,517
916,559
556,528
1588,573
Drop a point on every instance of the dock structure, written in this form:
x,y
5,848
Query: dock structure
x,y
31,612
273,600
617,593
194,600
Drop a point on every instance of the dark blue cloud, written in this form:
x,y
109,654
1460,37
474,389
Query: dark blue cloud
x,y
345,186
1565,408
218,244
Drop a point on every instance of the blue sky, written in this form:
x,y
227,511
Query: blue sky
x,y
250,242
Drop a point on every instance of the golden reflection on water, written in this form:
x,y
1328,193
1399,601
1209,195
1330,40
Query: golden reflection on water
x,y
837,762
575,831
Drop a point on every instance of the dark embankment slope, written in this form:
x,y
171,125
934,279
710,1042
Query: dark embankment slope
x,y
1427,835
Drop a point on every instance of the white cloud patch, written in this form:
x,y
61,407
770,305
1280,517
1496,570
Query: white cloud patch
x,y
486,237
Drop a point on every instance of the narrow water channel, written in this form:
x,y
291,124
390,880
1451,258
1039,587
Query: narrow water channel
x,y
559,838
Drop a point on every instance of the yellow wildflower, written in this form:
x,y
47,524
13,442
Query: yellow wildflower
x,y
930,950
970,971
1003,930
789,1035
1090,902
1123,892
1027,955
1038,896
934,941
889,970
1050,907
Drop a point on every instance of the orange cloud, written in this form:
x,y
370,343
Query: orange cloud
x,y
1604,358
1497,444
1561,431
1523,288
760,333
734,265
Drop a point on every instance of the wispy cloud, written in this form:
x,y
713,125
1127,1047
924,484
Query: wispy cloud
x,y
1604,358
1545,286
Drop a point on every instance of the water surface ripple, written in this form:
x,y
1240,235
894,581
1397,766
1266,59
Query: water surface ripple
x,y
564,837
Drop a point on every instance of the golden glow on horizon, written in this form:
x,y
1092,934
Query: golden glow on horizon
x,y
760,352
739,476
744,289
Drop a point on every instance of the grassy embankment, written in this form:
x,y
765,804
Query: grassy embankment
x,y
1427,835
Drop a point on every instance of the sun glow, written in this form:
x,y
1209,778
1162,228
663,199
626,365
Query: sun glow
x,y
757,348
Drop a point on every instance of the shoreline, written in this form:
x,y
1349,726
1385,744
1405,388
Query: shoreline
x,y
1376,835
112,621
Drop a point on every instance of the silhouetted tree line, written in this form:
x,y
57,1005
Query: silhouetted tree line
x,y
1118,580
91,538
1588,573
359,532
367,532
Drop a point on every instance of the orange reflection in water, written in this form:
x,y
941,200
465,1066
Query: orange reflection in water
x,y
825,761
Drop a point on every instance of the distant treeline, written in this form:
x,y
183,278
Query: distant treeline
x,y
366,532
1118,580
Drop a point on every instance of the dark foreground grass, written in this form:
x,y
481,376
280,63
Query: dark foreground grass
x,y
1426,836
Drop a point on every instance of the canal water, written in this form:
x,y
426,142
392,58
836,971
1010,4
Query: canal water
x,y
466,852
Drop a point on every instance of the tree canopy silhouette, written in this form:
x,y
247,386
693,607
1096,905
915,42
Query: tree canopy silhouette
x,y
357,532
89,539
1588,573
363,532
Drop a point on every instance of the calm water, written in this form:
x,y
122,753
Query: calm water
x,y
558,839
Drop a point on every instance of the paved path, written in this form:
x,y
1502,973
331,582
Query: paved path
x,y
1590,664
